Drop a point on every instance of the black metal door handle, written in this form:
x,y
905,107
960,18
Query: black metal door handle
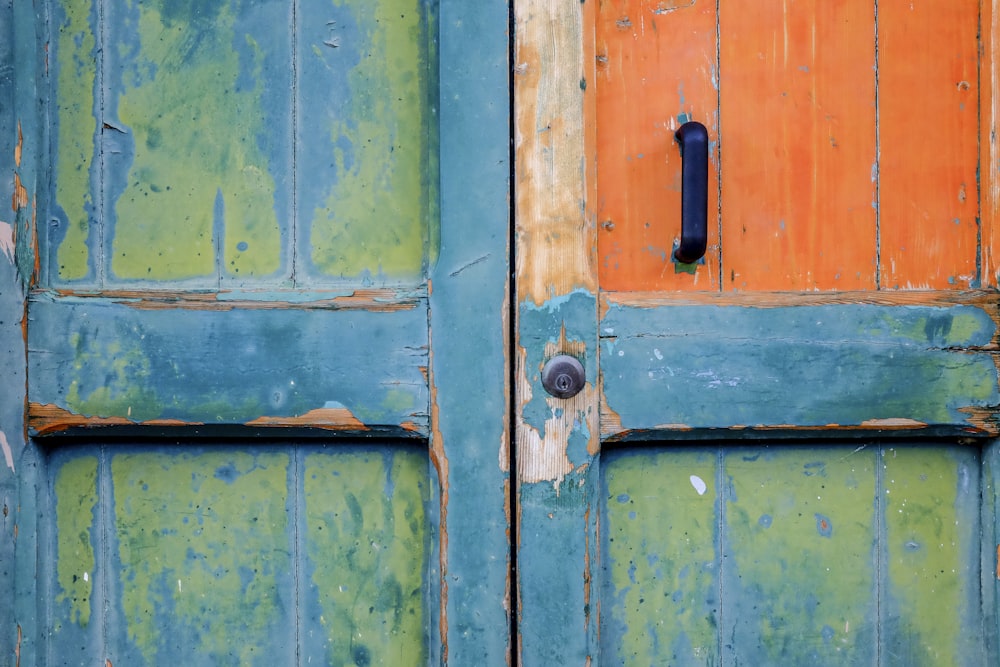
x,y
693,138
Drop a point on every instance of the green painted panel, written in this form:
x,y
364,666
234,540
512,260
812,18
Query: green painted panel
x,y
366,549
859,554
198,198
367,148
660,532
203,561
196,145
798,558
76,77
932,613
75,500
240,555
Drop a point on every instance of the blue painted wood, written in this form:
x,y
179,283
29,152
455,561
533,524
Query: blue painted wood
x,y
469,334
96,358
694,367
160,355
557,527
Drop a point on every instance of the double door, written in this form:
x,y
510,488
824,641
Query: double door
x,y
292,303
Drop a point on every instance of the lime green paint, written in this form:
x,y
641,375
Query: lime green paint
x,y
376,216
204,551
366,545
195,139
75,78
121,373
661,552
800,529
932,563
76,499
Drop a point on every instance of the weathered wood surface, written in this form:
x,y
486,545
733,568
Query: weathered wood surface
x,y
677,368
194,145
848,157
254,556
93,360
556,439
229,206
784,554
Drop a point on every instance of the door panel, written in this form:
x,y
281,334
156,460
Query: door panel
x,y
837,301
181,553
782,554
255,222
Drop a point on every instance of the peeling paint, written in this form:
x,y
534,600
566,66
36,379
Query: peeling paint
x,y
7,240
327,418
8,455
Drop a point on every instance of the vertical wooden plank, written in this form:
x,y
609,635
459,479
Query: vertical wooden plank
x,y
656,68
798,146
70,241
365,555
193,125
77,603
990,549
989,142
928,129
201,569
798,566
659,556
366,188
557,439
470,340
931,499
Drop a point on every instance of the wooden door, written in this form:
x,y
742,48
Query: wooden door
x,y
253,319
784,452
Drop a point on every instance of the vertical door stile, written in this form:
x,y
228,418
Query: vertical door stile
x,y
557,440
469,395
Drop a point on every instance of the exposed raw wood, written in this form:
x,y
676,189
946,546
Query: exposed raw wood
x,y
376,300
553,255
989,144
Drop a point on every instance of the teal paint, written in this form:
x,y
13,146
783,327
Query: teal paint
x,y
558,618
103,359
807,365
470,332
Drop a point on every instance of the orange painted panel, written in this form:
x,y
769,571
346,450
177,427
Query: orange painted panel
x,y
656,66
798,145
928,144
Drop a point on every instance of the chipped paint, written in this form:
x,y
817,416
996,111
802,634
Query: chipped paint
x,y
7,240
8,455
327,418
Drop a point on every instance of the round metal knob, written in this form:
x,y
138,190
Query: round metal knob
x,y
563,376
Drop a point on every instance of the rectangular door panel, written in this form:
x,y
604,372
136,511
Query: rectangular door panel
x,y
241,555
786,554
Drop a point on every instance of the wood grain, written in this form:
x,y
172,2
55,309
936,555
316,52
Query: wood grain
x,y
928,93
798,145
656,68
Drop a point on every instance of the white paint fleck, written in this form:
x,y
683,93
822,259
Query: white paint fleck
x,y
699,484
86,576
7,240
657,354
621,353
8,455
179,588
